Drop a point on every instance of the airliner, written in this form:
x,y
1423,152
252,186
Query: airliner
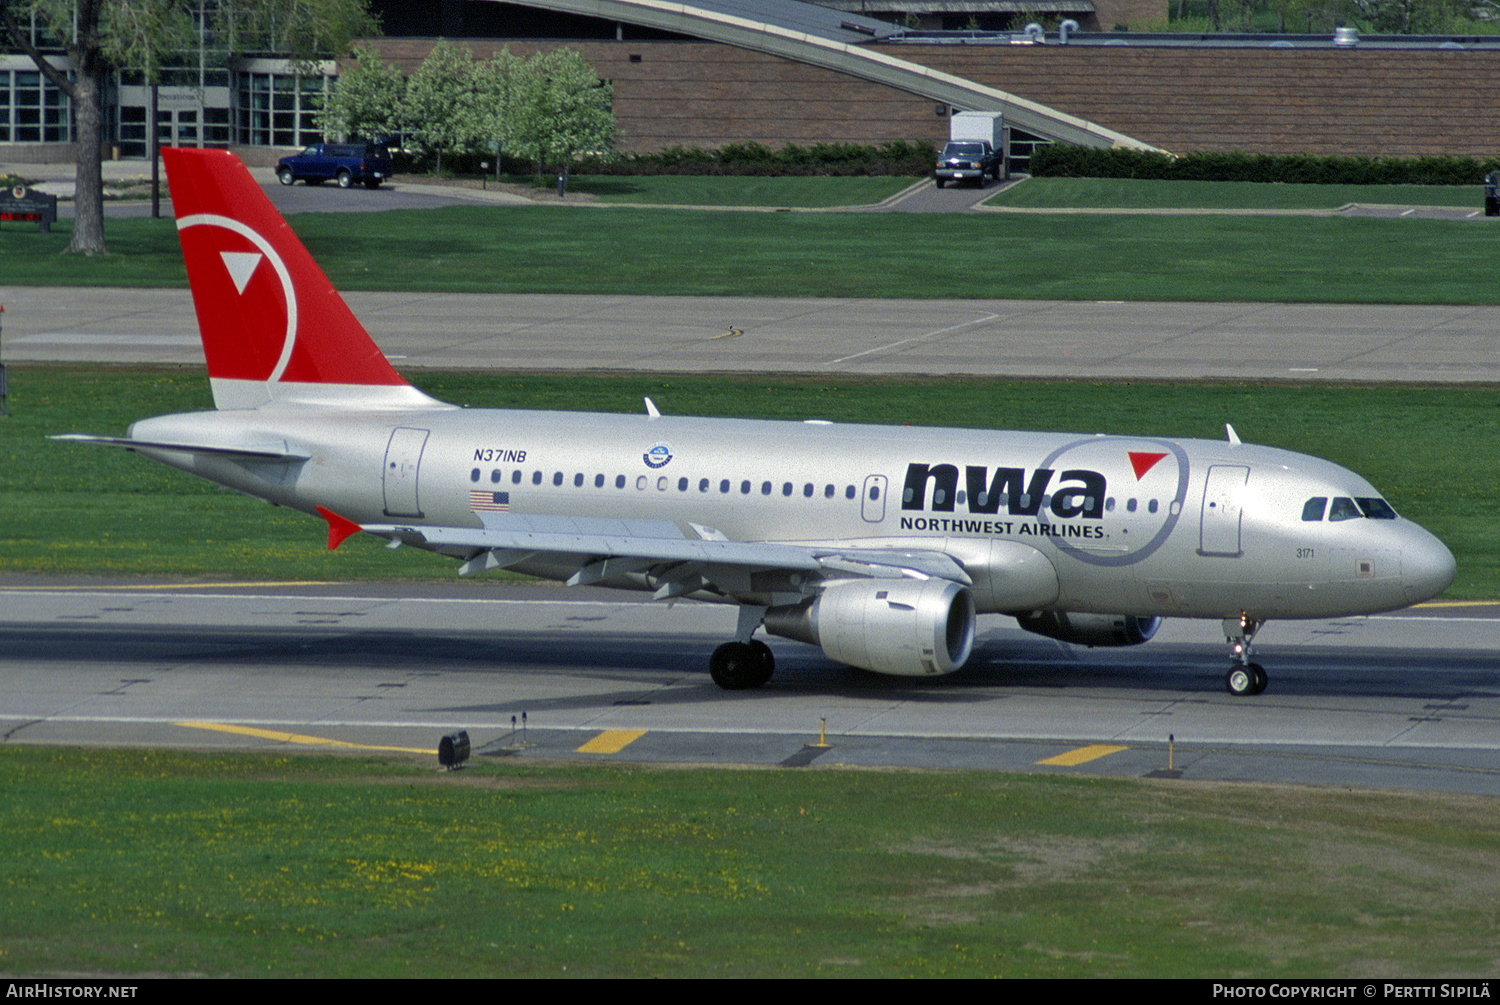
x,y
880,545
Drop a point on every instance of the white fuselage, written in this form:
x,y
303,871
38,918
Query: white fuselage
x,y
1186,528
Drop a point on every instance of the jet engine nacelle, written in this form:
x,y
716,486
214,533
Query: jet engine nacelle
x,y
1091,629
911,628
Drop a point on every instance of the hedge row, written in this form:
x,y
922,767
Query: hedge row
x,y
899,158
1058,160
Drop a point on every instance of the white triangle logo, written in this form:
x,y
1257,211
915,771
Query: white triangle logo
x,y
241,266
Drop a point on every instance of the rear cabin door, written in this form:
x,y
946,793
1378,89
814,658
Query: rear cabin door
x,y
403,460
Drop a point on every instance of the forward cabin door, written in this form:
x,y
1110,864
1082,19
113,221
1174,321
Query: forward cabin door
x,y
1219,532
403,459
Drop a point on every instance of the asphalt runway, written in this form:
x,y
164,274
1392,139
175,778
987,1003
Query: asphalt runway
x,y
1409,700
1405,700
1068,339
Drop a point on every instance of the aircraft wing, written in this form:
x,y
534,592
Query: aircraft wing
x,y
680,559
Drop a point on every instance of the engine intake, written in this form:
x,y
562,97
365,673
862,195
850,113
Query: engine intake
x,y
906,627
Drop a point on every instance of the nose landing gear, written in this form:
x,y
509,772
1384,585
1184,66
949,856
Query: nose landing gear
x,y
1244,678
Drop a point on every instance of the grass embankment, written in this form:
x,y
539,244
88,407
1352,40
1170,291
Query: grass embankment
x,y
73,509
567,249
125,862
1131,193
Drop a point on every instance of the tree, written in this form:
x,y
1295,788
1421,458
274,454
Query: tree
x,y
368,98
442,102
140,34
563,111
499,86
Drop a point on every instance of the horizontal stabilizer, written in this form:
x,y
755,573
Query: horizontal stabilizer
x,y
261,453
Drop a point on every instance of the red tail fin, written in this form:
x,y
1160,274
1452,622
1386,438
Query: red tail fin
x,y
273,327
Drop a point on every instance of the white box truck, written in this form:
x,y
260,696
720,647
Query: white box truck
x,y
958,161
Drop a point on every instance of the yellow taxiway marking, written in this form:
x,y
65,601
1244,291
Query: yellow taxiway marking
x,y
168,587
611,741
1458,603
1082,755
312,741
731,333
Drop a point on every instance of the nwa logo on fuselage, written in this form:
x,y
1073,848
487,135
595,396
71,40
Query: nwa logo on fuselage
x,y
1079,492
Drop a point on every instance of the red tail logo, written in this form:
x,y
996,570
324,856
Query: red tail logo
x,y
266,312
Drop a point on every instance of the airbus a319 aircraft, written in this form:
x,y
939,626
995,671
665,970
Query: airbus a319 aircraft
x,y
878,544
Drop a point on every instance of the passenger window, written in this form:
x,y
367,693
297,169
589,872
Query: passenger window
x,y
578,480
1343,509
1130,505
619,481
703,485
536,478
495,476
474,475
598,481
807,490
640,483
724,485
1376,509
786,488
848,491
515,477
765,488
745,487
1151,506
557,478
828,491
682,484
661,484
1312,510
874,493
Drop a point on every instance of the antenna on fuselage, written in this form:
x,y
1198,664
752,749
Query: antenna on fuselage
x,y
1234,438
651,409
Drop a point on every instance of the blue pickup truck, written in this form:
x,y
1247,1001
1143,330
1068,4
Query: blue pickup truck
x,y
346,163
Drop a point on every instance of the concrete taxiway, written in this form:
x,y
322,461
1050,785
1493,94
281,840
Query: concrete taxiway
x,y
1073,339
1409,700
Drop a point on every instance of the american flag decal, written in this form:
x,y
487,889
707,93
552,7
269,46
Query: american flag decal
x,y
489,502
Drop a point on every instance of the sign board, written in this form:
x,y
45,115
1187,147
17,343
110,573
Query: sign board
x,y
21,203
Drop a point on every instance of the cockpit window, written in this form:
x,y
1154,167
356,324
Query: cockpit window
x,y
1312,510
1343,508
1376,509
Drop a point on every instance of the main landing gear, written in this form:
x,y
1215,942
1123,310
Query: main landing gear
x,y
739,666
744,663
1244,678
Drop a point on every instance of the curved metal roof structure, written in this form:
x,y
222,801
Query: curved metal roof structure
x,y
835,40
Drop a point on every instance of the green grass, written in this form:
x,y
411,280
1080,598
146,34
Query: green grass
x,y
72,509
1130,193
549,249
163,863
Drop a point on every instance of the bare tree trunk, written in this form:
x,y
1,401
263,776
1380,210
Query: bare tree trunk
x,y
88,185
86,93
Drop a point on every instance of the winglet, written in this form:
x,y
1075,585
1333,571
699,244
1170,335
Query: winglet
x,y
340,529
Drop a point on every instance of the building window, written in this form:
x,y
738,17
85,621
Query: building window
x,y
278,109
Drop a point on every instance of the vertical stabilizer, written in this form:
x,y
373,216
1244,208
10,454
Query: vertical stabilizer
x,y
274,329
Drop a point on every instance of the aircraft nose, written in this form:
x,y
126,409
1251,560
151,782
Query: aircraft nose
x,y
1427,568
